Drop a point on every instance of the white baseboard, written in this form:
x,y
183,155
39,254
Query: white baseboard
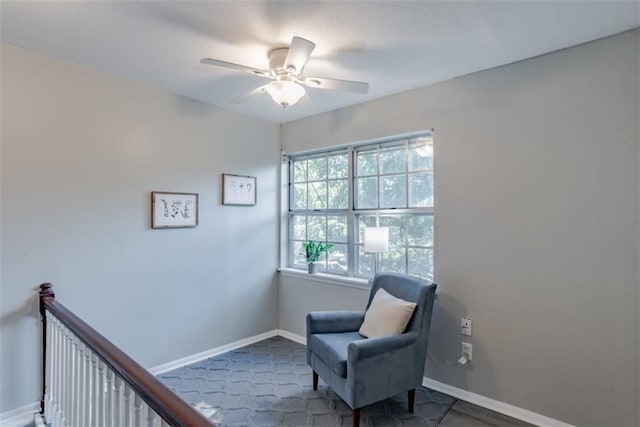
x,y
19,417
494,405
291,336
179,363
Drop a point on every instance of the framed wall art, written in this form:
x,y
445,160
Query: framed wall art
x,y
174,210
239,190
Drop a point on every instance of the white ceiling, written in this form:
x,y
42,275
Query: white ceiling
x,y
392,45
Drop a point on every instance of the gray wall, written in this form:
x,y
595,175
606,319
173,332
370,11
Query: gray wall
x,y
536,227
81,152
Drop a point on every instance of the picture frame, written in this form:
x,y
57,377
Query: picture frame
x,y
174,210
239,190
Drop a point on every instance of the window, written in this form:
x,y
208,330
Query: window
x,y
335,195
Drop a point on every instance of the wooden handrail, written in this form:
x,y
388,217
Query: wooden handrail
x,y
169,406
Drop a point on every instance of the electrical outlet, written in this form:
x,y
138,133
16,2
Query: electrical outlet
x,y
467,350
465,326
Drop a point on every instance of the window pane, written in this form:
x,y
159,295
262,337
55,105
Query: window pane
x,y
317,168
337,228
338,194
366,163
318,195
322,262
367,190
300,170
300,196
421,189
421,263
396,226
338,167
393,191
365,262
420,230
296,254
420,156
337,260
394,261
392,160
299,228
317,228
365,221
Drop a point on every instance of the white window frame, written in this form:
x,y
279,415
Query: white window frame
x,y
351,212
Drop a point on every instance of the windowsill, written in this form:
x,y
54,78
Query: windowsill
x,y
332,279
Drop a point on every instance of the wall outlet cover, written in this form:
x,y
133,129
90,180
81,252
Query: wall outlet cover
x,y
467,350
465,326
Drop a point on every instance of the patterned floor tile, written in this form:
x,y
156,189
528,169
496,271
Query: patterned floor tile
x,y
269,384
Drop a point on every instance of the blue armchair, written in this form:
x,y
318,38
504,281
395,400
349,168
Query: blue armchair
x,y
366,370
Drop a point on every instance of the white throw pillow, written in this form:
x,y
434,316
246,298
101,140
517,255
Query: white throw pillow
x,y
387,315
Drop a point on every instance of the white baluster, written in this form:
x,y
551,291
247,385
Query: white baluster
x,y
49,415
137,411
117,407
151,418
82,384
47,362
58,373
75,382
109,399
66,374
127,405
87,387
101,394
51,354
163,423
68,408
95,391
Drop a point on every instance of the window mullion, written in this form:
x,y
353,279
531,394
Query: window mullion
x,y
378,175
406,244
406,176
326,185
351,223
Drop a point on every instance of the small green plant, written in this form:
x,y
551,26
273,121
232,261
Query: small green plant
x,y
313,250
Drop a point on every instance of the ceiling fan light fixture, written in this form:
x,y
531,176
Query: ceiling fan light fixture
x,y
285,92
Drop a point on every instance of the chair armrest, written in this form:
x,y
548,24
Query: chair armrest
x,y
366,348
323,322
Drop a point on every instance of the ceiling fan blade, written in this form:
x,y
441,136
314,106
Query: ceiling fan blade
x,y
298,55
248,95
231,65
336,84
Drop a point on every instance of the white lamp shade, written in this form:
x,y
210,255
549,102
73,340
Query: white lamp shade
x,y
285,92
376,239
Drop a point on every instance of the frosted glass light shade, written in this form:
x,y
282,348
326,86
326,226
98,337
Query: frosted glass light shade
x,y
376,239
285,92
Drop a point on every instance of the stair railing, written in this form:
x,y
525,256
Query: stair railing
x,y
88,381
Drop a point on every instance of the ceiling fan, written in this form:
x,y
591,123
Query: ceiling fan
x,y
285,68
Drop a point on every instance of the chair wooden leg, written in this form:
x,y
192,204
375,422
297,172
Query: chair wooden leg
x,y
315,380
356,417
412,399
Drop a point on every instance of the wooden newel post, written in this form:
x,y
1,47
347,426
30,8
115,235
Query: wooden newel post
x,y
46,293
